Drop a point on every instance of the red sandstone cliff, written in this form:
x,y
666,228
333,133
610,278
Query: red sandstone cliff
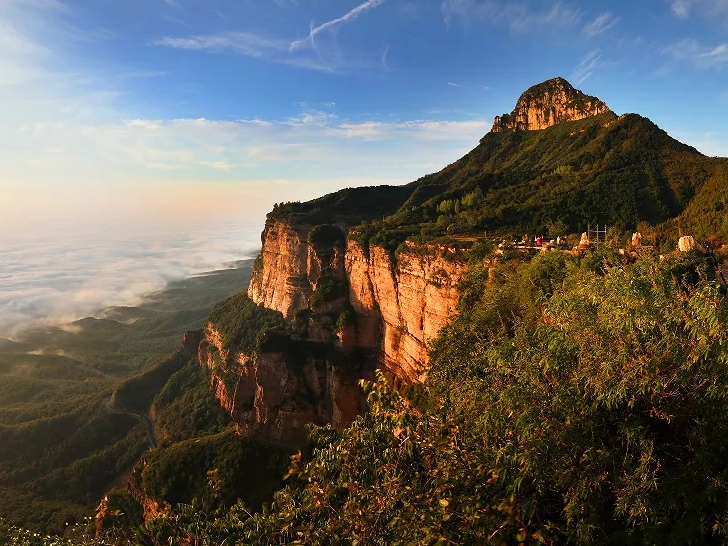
x,y
385,314
273,394
400,304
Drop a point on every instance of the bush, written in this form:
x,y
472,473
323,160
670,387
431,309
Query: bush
x,y
208,470
326,234
328,289
240,322
137,392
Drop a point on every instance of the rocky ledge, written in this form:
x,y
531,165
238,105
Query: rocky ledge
x,y
549,103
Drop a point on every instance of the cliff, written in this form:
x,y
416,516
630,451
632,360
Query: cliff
x,y
399,305
349,304
546,104
273,394
347,309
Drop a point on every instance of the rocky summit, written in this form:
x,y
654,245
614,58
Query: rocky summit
x,y
549,103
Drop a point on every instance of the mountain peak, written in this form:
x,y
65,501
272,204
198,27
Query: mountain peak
x,y
548,103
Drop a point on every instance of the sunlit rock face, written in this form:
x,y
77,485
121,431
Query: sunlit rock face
x,y
274,393
400,304
546,104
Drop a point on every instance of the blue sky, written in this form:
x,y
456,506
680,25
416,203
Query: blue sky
x,y
166,108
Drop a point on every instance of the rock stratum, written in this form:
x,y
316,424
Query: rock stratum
x,y
400,304
546,104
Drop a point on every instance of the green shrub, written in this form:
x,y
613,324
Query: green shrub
x,y
240,322
208,470
346,318
328,289
186,408
137,392
326,234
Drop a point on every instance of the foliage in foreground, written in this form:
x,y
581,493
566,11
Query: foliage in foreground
x,y
570,402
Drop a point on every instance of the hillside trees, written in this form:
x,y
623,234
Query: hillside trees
x,y
602,421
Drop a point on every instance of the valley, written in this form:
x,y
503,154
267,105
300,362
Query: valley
x,y
61,447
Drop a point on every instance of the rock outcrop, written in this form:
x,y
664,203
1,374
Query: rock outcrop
x,y
349,310
151,508
399,304
546,104
273,393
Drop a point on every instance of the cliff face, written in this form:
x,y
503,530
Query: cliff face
x,y
399,305
280,280
273,393
349,310
549,103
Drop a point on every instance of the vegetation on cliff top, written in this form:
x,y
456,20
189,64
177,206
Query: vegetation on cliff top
x,y
349,206
327,235
241,323
600,169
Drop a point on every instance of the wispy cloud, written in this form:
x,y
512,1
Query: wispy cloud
x,y
515,16
602,23
468,84
588,65
219,165
273,49
246,43
417,130
350,16
247,149
38,4
699,55
684,9
249,44
681,8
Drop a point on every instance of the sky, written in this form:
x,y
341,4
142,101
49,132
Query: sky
x,y
140,118
126,109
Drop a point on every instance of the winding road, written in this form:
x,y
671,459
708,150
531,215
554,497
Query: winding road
x,y
147,420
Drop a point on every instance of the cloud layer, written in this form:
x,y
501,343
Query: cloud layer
x,y
52,281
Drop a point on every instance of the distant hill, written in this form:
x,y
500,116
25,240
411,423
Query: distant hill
x,y
587,166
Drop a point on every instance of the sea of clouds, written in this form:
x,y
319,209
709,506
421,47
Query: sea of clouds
x,y
56,276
